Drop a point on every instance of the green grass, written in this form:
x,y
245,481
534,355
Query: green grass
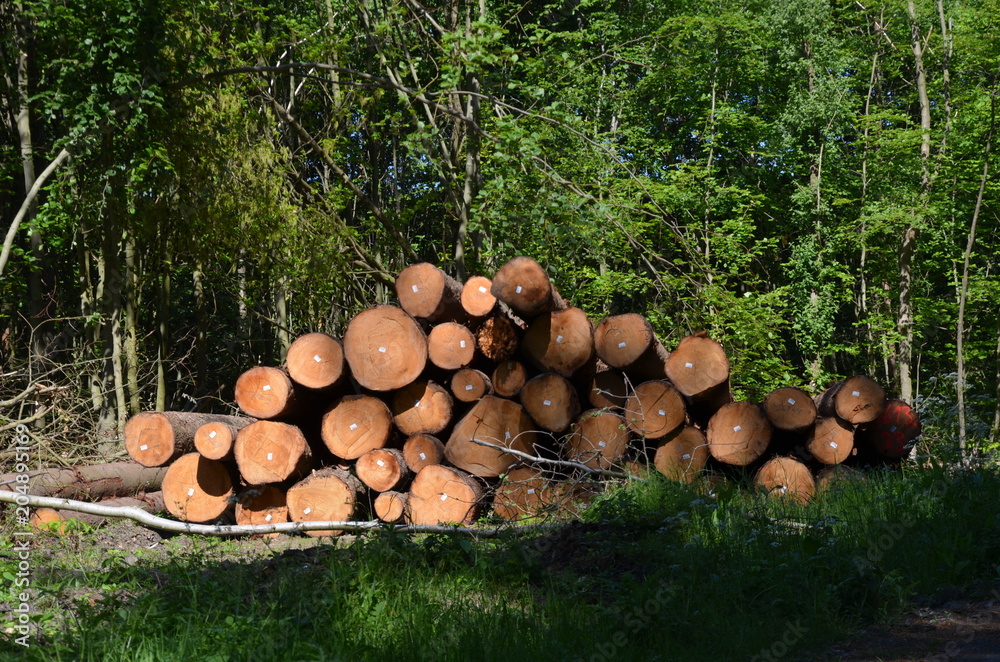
x,y
654,571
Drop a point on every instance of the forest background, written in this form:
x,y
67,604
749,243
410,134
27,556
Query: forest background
x,y
185,186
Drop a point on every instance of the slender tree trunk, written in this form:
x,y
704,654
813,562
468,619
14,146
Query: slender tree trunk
x,y
201,321
963,292
163,327
35,288
282,333
908,245
131,325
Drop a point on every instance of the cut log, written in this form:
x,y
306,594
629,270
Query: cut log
x,y
267,393
521,494
790,409
88,483
607,388
894,432
560,342
468,385
495,421
326,495
421,450
699,369
857,400
426,292
684,456
271,452
551,401
154,438
196,489
655,409
599,439
385,348
787,478
43,518
522,284
316,361
355,425
392,507
837,477
383,469
627,342
738,434
477,300
423,407
261,504
451,346
497,338
509,378
215,440
443,495
831,440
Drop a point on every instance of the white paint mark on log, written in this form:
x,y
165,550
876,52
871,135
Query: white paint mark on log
x,y
380,463
267,518
211,435
856,394
686,456
444,497
317,358
307,511
482,290
559,338
791,402
546,402
266,387
737,428
621,345
270,457
517,290
688,365
191,492
601,444
143,447
423,457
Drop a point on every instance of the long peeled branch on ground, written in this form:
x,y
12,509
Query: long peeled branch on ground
x,y
163,524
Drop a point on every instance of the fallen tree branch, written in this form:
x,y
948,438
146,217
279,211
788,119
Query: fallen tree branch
x,y
164,524
558,463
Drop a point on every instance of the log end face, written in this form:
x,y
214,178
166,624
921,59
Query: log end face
x,y
149,439
316,361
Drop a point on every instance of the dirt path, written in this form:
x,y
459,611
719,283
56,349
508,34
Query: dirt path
x,y
959,631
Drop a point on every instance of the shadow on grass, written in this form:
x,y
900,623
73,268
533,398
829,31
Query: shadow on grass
x,y
653,572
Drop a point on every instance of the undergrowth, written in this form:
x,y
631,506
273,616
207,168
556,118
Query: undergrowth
x,y
653,571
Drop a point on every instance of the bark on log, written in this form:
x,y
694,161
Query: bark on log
x,y
92,482
790,409
497,338
509,378
271,452
154,438
521,494
383,469
738,434
560,342
787,478
421,450
326,495
699,369
355,425
551,401
392,507
857,400
831,440
522,284
684,456
655,409
196,489
894,432
316,361
215,440
607,387
477,301
468,385
441,494
261,504
497,421
43,518
423,407
627,342
267,393
599,439
451,346
385,348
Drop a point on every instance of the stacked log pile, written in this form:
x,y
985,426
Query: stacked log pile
x,y
493,396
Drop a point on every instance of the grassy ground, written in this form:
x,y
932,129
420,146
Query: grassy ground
x,y
653,572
